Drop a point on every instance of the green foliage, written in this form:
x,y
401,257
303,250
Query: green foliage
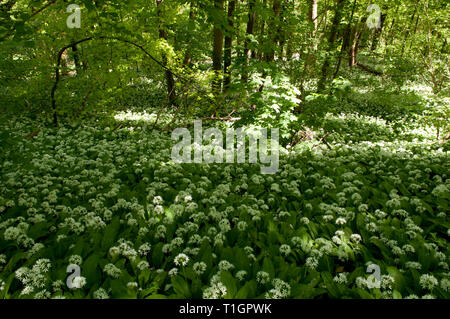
x,y
115,200
274,106
363,176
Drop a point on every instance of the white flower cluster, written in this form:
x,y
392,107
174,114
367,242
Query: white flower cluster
x,y
280,290
216,291
181,260
428,282
93,184
262,277
112,270
35,278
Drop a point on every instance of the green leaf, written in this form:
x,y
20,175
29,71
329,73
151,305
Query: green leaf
x,y
157,255
247,291
110,233
143,277
268,267
156,296
181,287
230,282
397,295
89,269
364,294
330,285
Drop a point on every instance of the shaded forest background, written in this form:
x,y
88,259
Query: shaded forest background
x,y
267,62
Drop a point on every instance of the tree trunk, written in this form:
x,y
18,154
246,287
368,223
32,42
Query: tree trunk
x,y
217,50
76,59
331,45
187,56
285,6
228,44
355,37
249,31
415,31
389,37
313,5
345,39
377,33
169,76
260,52
273,31
409,29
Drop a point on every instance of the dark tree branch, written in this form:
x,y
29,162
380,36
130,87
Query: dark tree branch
x,y
368,69
58,67
43,8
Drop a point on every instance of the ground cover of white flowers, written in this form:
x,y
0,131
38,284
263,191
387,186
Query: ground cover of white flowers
x,y
139,226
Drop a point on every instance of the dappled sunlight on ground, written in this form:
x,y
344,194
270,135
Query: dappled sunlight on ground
x,y
135,116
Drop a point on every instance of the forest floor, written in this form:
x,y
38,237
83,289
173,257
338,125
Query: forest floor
x,y
107,197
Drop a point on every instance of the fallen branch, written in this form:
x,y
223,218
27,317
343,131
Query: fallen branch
x,y
322,139
118,126
213,118
58,67
368,69
33,134
232,119
300,136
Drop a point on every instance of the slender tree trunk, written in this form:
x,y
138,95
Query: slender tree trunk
x,y
444,46
345,39
260,53
217,49
415,31
187,56
281,30
228,45
331,45
313,5
389,35
313,19
377,33
355,37
76,59
237,30
273,34
287,32
169,76
409,28
249,31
